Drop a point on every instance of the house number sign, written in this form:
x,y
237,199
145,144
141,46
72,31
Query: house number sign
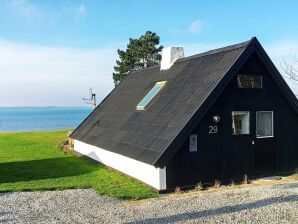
x,y
213,129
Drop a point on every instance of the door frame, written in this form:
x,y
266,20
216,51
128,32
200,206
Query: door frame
x,y
259,140
272,122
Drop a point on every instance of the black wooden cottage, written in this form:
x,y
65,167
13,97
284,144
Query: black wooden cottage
x,y
217,115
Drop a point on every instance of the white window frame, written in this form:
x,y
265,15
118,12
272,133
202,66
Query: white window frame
x,y
272,120
249,125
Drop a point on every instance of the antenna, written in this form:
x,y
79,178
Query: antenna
x,y
91,99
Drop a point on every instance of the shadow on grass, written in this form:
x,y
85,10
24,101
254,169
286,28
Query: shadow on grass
x,y
220,211
11,172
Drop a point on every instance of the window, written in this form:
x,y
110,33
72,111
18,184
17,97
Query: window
x,y
249,81
152,93
240,122
193,143
264,126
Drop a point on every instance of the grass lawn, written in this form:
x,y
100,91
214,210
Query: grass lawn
x,y
33,161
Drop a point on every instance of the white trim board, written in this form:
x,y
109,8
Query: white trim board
x,y
155,177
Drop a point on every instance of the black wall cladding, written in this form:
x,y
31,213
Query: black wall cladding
x,y
154,135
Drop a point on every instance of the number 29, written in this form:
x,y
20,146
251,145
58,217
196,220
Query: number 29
x,y
213,129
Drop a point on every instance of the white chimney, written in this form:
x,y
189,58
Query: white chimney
x,y
169,56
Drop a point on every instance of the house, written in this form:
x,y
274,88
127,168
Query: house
x,y
217,115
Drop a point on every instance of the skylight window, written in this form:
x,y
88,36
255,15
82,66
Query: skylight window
x,y
152,93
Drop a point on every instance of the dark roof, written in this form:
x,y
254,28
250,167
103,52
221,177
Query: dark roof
x,y
153,135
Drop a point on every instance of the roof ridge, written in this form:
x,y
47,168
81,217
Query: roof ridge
x,y
144,69
215,51
202,54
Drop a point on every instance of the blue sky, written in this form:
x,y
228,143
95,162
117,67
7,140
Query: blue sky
x,y
52,51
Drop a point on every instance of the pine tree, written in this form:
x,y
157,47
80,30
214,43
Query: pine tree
x,y
140,53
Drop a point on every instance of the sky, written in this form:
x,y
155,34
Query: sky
x,y
51,52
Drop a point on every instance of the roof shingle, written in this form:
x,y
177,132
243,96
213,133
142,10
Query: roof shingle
x,y
117,126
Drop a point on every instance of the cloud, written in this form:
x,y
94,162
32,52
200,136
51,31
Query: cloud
x,y
195,26
80,11
39,76
278,51
283,50
23,8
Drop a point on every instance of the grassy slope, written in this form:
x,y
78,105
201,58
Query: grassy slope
x,y
32,161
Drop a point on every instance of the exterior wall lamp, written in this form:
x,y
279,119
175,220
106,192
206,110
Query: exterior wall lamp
x,y
216,118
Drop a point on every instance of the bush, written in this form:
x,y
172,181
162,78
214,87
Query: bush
x,y
199,186
217,184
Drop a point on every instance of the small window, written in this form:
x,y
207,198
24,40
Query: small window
x,y
193,143
249,81
240,122
152,93
264,124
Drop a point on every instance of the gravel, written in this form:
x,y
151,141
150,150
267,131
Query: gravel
x,y
266,204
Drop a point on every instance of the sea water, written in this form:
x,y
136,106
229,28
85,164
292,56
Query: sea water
x,y
20,119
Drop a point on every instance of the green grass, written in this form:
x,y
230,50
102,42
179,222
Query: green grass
x,y
33,161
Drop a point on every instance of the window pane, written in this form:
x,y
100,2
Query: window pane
x,y
264,124
240,122
149,96
249,81
152,93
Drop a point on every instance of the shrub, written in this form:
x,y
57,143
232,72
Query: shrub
x,y
178,190
199,186
246,180
217,184
232,183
